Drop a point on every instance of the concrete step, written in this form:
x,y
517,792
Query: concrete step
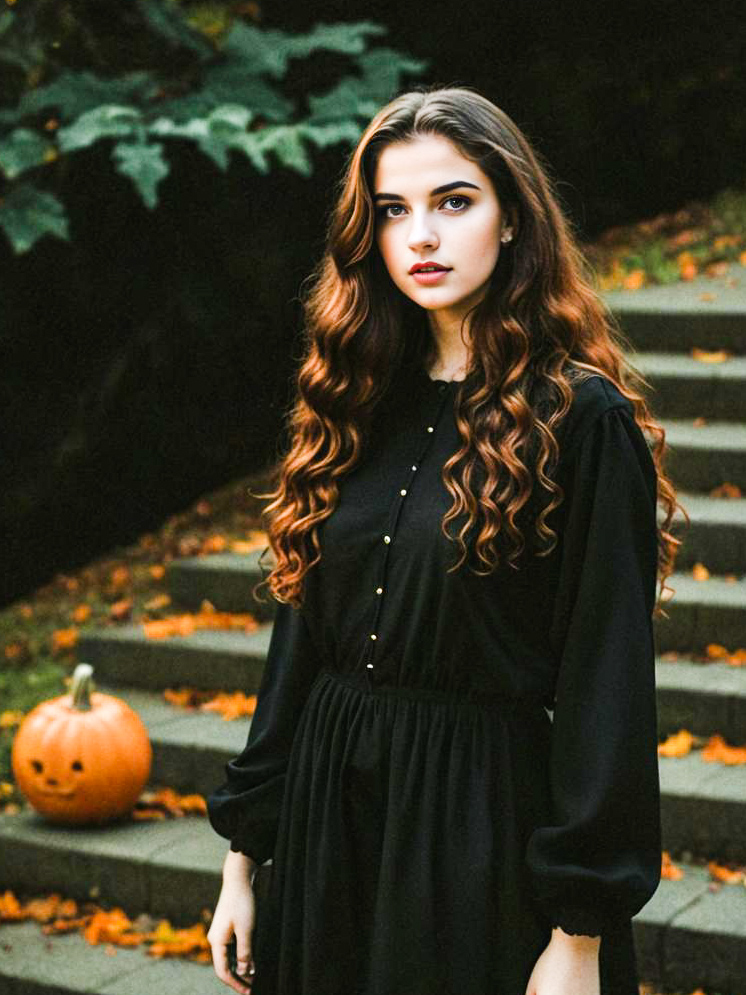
x,y
700,458
33,963
716,535
211,659
684,387
706,313
191,748
702,612
690,934
704,698
224,579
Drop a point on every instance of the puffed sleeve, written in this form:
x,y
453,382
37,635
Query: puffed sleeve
x,y
598,861
246,808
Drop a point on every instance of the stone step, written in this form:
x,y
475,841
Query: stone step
x,y
702,458
33,963
702,612
692,934
689,935
226,580
191,748
705,698
716,535
210,659
683,387
677,317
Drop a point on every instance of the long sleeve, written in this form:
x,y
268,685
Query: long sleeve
x,y
599,860
246,808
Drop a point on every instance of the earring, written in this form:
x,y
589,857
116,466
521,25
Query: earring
x,y
506,236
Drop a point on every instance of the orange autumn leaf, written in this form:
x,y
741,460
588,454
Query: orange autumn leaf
x,y
700,572
64,639
214,544
707,356
186,697
715,651
717,749
634,280
724,874
170,942
119,577
10,718
206,618
742,258
726,490
157,571
158,602
157,804
678,744
112,927
10,907
121,609
669,870
81,613
231,705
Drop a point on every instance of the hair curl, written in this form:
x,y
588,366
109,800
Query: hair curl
x,y
539,327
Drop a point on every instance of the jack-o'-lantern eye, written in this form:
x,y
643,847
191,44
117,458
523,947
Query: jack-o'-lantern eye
x,y
76,765
37,765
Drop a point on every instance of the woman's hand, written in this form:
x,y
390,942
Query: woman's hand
x,y
234,916
568,965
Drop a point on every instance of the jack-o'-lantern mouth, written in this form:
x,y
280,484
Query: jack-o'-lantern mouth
x,y
57,792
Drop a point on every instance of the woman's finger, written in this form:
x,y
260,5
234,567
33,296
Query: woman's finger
x,y
220,964
244,959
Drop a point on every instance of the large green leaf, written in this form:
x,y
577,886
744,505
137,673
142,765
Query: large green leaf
x,y
27,213
262,51
23,149
286,141
143,162
107,121
72,93
223,129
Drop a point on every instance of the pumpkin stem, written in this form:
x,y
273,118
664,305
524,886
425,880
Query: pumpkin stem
x,y
81,687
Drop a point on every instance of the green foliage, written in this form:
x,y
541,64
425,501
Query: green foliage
x,y
223,93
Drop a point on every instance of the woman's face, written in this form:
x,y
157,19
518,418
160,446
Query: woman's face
x,y
417,222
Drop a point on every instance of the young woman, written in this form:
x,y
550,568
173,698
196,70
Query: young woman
x,y
465,541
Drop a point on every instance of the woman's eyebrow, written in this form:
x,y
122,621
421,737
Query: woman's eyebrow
x,y
444,189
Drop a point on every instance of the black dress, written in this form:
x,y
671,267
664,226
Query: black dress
x,y
429,822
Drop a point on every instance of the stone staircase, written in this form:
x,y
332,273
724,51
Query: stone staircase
x,y
689,935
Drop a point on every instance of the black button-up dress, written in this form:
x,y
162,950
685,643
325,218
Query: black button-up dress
x,y
443,766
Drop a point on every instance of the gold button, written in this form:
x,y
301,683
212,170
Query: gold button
x,y
379,590
403,491
372,635
387,538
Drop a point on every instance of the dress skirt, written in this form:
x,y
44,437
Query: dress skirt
x,y
399,866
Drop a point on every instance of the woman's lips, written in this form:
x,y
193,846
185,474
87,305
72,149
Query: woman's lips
x,y
427,278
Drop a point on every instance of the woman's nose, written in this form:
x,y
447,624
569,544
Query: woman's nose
x,y
421,232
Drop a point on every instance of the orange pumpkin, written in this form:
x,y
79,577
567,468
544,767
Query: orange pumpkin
x,y
83,757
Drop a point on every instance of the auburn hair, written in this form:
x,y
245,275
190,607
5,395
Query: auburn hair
x,y
539,327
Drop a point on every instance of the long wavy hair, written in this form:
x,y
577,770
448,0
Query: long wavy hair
x,y
539,327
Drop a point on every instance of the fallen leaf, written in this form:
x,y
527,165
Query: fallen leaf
x,y
721,873
716,749
700,572
706,356
669,870
677,744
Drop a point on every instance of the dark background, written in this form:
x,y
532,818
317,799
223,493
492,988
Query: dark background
x,y
149,359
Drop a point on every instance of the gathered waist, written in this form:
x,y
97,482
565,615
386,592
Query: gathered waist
x,y
475,696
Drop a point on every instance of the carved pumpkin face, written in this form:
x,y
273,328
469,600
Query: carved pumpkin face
x,y
82,764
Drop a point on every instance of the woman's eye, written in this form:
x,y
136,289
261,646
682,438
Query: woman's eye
x,y
465,200
381,212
